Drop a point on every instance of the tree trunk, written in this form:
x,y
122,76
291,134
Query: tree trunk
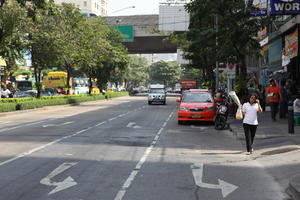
x,y
37,74
69,71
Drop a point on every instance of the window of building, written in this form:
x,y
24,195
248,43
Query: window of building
x,y
85,4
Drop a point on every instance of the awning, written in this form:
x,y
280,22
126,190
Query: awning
x,y
2,62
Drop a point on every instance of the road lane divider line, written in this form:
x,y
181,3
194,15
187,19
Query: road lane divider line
x,y
111,119
121,193
101,123
46,145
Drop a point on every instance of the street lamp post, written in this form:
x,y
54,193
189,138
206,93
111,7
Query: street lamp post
x,y
217,63
123,9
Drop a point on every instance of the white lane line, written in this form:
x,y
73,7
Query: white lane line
x,y
121,193
165,124
122,115
66,123
9,129
34,123
101,123
43,146
111,119
16,127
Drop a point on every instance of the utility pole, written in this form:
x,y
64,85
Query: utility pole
x,y
217,63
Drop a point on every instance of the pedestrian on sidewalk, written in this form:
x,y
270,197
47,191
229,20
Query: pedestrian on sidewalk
x,y
283,107
273,97
250,122
296,105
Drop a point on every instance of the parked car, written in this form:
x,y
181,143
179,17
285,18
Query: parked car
x,y
196,106
21,94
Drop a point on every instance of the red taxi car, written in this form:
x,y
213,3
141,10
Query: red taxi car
x,y
196,106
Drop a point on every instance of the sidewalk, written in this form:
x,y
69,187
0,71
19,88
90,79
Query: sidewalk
x,y
268,129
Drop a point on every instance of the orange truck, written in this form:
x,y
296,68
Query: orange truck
x,y
187,84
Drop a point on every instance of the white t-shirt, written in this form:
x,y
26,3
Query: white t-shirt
x,y
250,116
297,105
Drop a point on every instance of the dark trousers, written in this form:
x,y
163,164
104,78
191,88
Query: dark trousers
x,y
250,131
274,109
283,109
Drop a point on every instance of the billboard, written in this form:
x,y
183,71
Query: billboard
x,y
291,44
258,7
127,32
285,7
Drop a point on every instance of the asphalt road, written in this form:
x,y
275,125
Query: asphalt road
x,y
124,149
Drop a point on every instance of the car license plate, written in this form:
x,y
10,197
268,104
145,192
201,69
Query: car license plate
x,y
196,116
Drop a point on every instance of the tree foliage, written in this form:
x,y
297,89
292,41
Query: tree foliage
x,y
167,73
137,73
12,24
235,37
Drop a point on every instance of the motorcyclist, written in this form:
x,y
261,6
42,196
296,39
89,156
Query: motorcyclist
x,y
220,99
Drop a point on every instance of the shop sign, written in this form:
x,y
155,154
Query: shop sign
x,y
258,7
285,7
291,44
230,69
264,42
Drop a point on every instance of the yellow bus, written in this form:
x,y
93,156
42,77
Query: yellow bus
x,y
56,80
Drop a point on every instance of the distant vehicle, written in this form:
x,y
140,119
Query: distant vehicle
x,y
21,94
56,80
80,85
196,106
188,84
157,93
24,85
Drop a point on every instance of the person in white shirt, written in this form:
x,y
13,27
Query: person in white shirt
x,y
250,122
296,106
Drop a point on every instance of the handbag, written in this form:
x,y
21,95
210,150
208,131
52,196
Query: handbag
x,y
239,114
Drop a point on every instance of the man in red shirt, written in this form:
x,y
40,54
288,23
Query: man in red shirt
x,y
273,97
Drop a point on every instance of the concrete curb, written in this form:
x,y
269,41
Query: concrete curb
x,y
294,187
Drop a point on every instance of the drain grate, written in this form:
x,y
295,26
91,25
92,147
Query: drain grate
x,y
279,151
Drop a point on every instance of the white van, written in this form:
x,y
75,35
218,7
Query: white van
x,y
157,93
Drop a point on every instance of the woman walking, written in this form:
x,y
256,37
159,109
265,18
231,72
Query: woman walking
x,y
250,122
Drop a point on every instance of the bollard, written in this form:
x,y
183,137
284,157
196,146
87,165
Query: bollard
x,y
291,118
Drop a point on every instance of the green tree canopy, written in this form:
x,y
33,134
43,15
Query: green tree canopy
x,y
167,73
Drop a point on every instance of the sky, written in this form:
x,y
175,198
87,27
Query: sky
x,y
142,7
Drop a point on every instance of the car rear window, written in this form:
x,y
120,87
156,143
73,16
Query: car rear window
x,y
197,97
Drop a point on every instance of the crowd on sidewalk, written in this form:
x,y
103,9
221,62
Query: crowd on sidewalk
x,y
277,98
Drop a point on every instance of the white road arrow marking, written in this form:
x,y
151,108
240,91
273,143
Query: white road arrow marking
x,y
68,182
132,125
226,188
129,125
66,123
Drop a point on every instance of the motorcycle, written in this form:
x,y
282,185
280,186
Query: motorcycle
x,y
221,116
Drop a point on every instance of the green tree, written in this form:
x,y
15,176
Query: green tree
x,y
101,51
167,73
12,42
43,40
236,34
137,73
70,20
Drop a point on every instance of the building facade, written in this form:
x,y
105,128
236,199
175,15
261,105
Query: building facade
x,y
88,7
